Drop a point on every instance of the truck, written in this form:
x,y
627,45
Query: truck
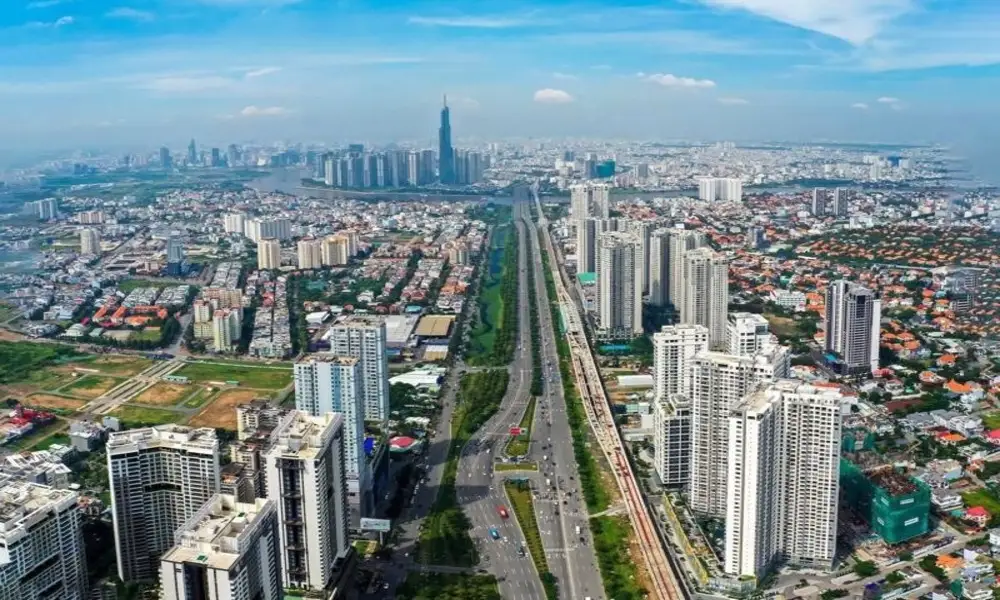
x,y
494,533
502,511
577,530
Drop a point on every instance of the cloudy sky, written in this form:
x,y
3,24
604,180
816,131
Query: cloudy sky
x,y
147,72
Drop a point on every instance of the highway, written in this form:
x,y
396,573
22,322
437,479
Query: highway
x,y
665,583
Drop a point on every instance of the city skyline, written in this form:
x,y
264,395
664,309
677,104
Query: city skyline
x,y
109,73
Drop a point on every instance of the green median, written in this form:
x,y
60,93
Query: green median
x,y
519,494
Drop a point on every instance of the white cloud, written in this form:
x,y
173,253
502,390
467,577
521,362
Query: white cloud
x,y
668,80
60,22
551,96
469,22
265,111
854,21
63,21
860,106
133,14
254,73
564,76
888,100
175,85
44,4
734,101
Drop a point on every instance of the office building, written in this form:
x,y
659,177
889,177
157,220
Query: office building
x,y
228,550
680,241
306,479
818,208
235,223
782,499
672,440
674,349
364,338
159,477
90,242
192,155
747,334
310,254
335,251
226,329
840,200
705,293
41,543
165,160
619,291
446,154
720,189
268,253
853,327
718,383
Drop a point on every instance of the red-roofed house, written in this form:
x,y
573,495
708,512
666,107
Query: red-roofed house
x,y
978,515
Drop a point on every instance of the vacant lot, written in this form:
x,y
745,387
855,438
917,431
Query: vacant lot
x,y
91,386
119,366
164,394
222,412
50,401
251,376
141,416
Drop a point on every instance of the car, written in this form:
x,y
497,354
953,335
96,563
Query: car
x,y
385,585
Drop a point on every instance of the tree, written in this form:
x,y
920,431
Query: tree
x,y
865,568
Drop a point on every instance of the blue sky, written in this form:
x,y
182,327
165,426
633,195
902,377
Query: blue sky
x,y
145,72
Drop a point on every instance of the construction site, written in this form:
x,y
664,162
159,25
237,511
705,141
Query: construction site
x,y
896,506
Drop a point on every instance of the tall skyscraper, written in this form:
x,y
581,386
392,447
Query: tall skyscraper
x,y
747,333
364,338
706,293
659,267
590,200
446,154
175,256
840,199
674,349
42,543
680,242
328,383
619,291
782,497
643,231
819,202
159,478
335,251
165,160
228,550
192,156
305,470
268,253
226,329
853,326
672,440
718,383
90,242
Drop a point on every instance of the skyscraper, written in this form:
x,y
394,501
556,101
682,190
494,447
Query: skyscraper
x,y
643,231
840,197
619,291
674,349
268,253
310,254
328,383
746,333
159,478
90,241
819,202
705,287
446,154
305,469
659,267
175,256
364,338
192,156
680,242
853,326
42,541
165,160
672,440
784,461
718,383
229,550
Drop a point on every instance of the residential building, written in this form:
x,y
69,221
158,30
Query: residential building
x,y
720,189
819,202
310,254
159,478
674,348
306,479
658,276
364,337
840,202
226,329
234,223
90,242
328,383
747,333
619,296
335,251
681,242
853,326
268,253
672,440
228,550
705,296
258,229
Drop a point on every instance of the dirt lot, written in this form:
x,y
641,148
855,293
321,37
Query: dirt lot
x,y
164,394
50,401
222,412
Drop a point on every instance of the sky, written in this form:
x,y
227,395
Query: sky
x,y
150,72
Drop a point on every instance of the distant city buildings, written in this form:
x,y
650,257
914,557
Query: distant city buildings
x,y
44,210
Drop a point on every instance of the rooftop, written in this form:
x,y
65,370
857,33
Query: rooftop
x,y
302,435
216,535
169,436
893,482
22,504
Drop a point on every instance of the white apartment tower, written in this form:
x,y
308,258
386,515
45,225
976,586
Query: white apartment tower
x,y
306,480
234,223
41,543
719,382
705,297
327,383
853,326
643,230
784,460
335,251
364,338
268,254
720,189
90,242
680,242
258,229
674,349
228,550
310,254
590,200
747,333
226,328
672,440
658,259
619,291
160,477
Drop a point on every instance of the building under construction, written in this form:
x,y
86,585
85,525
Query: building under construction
x,y
896,506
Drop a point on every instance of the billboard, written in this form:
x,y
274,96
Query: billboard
x,y
380,525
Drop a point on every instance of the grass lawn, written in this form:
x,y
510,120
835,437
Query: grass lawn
x,y
91,386
524,466
984,498
8,312
198,398
38,436
48,379
131,284
56,438
519,495
618,568
148,334
518,444
438,586
141,416
259,377
991,420
120,365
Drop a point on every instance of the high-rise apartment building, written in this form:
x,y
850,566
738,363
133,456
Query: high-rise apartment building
x,y
364,338
226,329
41,543
853,326
705,296
680,242
784,461
643,230
590,200
90,217
674,349
672,440
747,333
258,229
268,253
818,208
840,202
306,479
658,258
228,550
720,189
310,254
235,223
159,478
619,291
335,251
328,383
90,242
718,383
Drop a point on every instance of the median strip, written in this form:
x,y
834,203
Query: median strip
x,y
519,494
